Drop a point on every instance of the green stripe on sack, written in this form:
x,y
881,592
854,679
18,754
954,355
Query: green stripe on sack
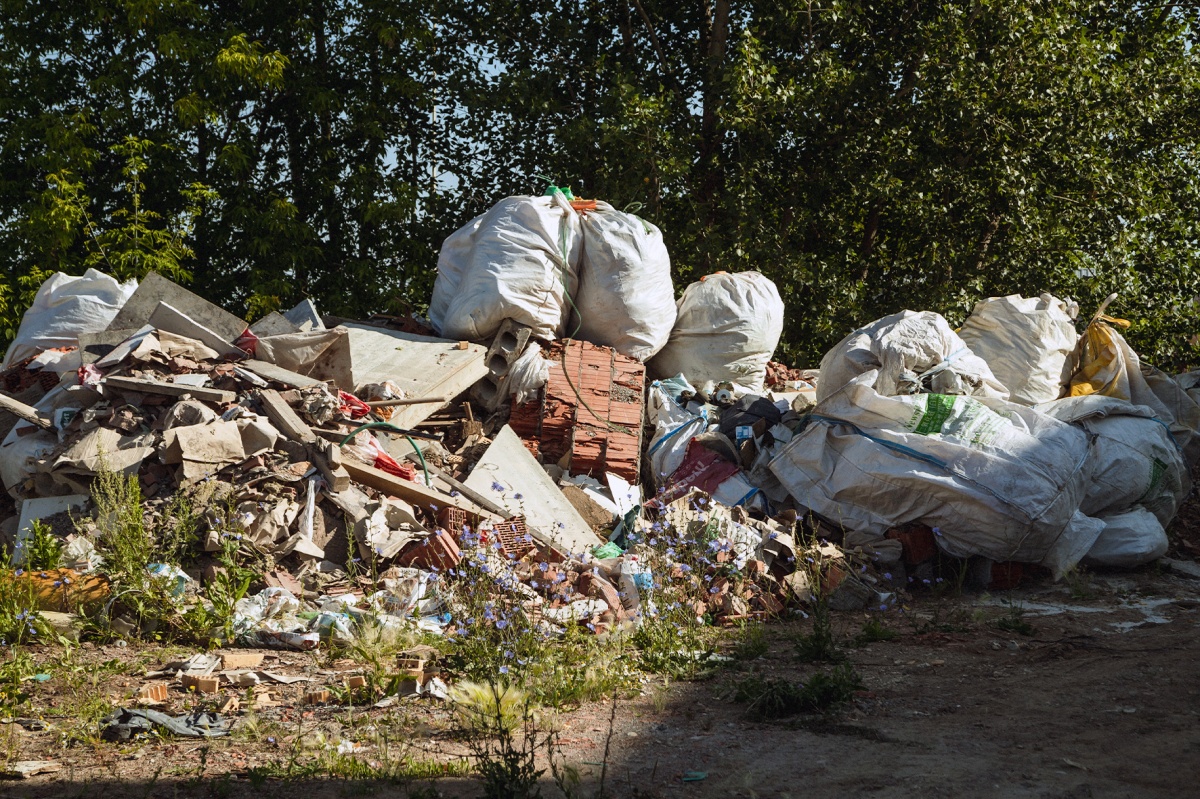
x,y
938,408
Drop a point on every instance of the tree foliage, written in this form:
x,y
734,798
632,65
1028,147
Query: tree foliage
x,y
867,156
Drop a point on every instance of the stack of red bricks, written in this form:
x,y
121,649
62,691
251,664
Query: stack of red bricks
x,y
591,409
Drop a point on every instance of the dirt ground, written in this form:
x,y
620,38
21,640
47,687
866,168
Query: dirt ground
x,y
1101,700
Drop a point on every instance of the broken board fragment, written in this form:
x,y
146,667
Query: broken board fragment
x,y
155,288
422,366
509,474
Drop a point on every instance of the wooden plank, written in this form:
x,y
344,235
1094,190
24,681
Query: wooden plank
x,y
26,412
470,493
284,418
429,498
269,371
326,456
169,389
421,401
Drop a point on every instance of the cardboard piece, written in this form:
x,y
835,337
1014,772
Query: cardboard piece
x,y
517,482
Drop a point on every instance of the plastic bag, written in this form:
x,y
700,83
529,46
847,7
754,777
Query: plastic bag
x,y
1129,539
519,261
1135,462
65,307
996,479
1026,343
726,330
626,299
909,352
1109,366
527,375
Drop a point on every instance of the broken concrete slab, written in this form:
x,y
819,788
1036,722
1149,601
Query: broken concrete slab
x,y
155,288
421,366
517,482
24,769
169,318
304,316
273,324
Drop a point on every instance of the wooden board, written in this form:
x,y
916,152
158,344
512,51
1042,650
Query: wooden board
x,y
169,389
407,490
422,366
269,371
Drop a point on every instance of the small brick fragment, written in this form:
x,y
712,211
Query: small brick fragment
x,y
201,685
357,681
231,704
241,660
316,697
153,692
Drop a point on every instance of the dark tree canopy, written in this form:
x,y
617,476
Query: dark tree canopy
x,y
867,156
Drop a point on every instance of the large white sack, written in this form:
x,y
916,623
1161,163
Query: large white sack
x,y
911,352
1135,460
518,261
1026,342
996,479
726,330
626,299
65,307
1129,539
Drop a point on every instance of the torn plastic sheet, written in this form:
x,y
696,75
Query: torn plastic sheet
x,y
129,723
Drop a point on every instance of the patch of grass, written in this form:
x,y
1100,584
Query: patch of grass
x,y
1079,583
751,641
819,645
20,621
1014,621
875,631
83,698
822,693
43,549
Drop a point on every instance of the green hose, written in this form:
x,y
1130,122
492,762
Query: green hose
x,y
394,429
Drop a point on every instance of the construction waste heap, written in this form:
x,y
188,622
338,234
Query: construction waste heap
x,y
565,440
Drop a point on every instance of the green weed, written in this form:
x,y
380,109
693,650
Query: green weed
x,y
823,692
43,549
751,641
874,631
819,645
1014,621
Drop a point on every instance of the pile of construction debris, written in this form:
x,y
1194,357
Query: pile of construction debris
x,y
581,444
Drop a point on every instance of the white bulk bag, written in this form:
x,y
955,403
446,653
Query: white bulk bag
x,y
995,479
517,261
65,307
1129,539
626,299
727,328
1135,460
1026,342
906,350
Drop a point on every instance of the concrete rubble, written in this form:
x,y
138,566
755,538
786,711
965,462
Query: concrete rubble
x,y
378,474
